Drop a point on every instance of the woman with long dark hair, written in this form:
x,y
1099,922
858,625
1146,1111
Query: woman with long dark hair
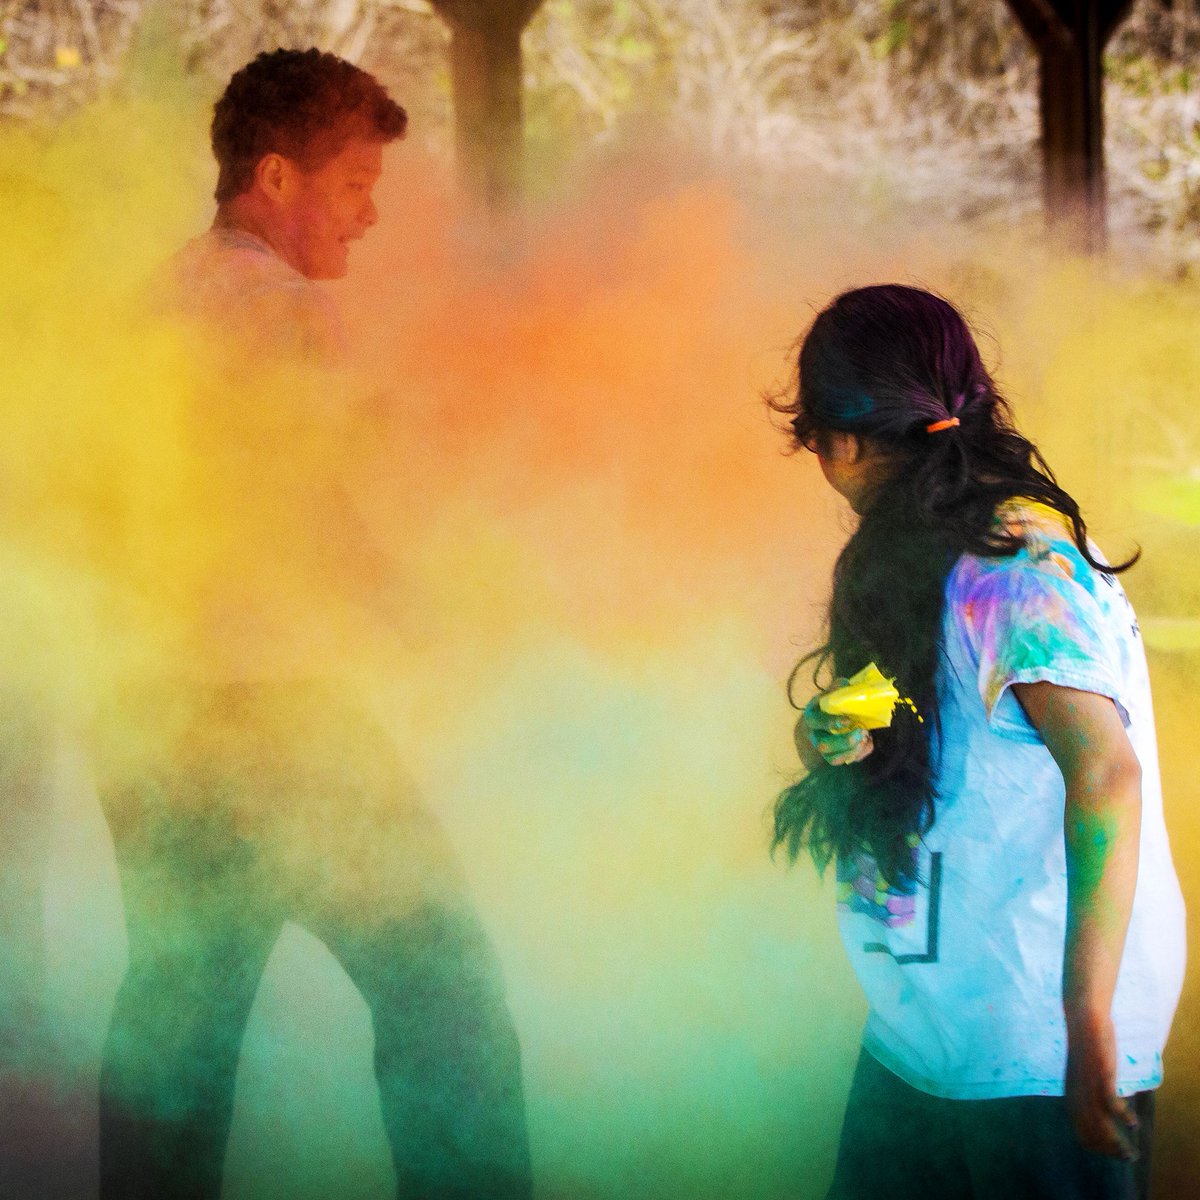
x,y
1005,888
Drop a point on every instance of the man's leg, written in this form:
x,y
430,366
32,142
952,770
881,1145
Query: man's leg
x,y
200,931
446,1053
45,1111
375,878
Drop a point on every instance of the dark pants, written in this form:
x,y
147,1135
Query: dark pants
x,y
245,808
907,1145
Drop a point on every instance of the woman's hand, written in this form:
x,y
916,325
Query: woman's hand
x,y
1104,1122
835,739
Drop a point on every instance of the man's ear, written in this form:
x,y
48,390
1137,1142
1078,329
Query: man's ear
x,y
272,176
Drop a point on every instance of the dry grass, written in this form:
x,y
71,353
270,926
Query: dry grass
x,y
59,53
924,94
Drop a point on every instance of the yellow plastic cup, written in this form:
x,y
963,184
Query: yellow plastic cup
x,y
868,699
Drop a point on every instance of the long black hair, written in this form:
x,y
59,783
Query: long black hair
x,y
887,363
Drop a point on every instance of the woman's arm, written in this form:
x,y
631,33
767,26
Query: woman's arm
x,y
1102,823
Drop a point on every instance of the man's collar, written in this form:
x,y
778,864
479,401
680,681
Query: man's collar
x,y
238,238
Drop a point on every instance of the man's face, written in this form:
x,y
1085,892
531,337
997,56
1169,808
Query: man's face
x,y
322,211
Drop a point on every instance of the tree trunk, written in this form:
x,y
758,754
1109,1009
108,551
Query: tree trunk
x,y
486,74
1070,36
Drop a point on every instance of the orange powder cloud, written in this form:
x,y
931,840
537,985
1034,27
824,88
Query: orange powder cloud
x,y
602,567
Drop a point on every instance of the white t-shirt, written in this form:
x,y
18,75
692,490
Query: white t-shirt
x,y
232,282
283,574
963,972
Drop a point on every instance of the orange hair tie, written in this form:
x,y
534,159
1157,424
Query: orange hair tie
x,y
938,426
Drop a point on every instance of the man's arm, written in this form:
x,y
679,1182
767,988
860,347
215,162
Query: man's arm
x,y
1102,824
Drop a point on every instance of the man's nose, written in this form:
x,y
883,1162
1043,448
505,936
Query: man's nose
x,y
369,214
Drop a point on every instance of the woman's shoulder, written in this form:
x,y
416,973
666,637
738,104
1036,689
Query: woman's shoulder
x,y
1048,548
1048,538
